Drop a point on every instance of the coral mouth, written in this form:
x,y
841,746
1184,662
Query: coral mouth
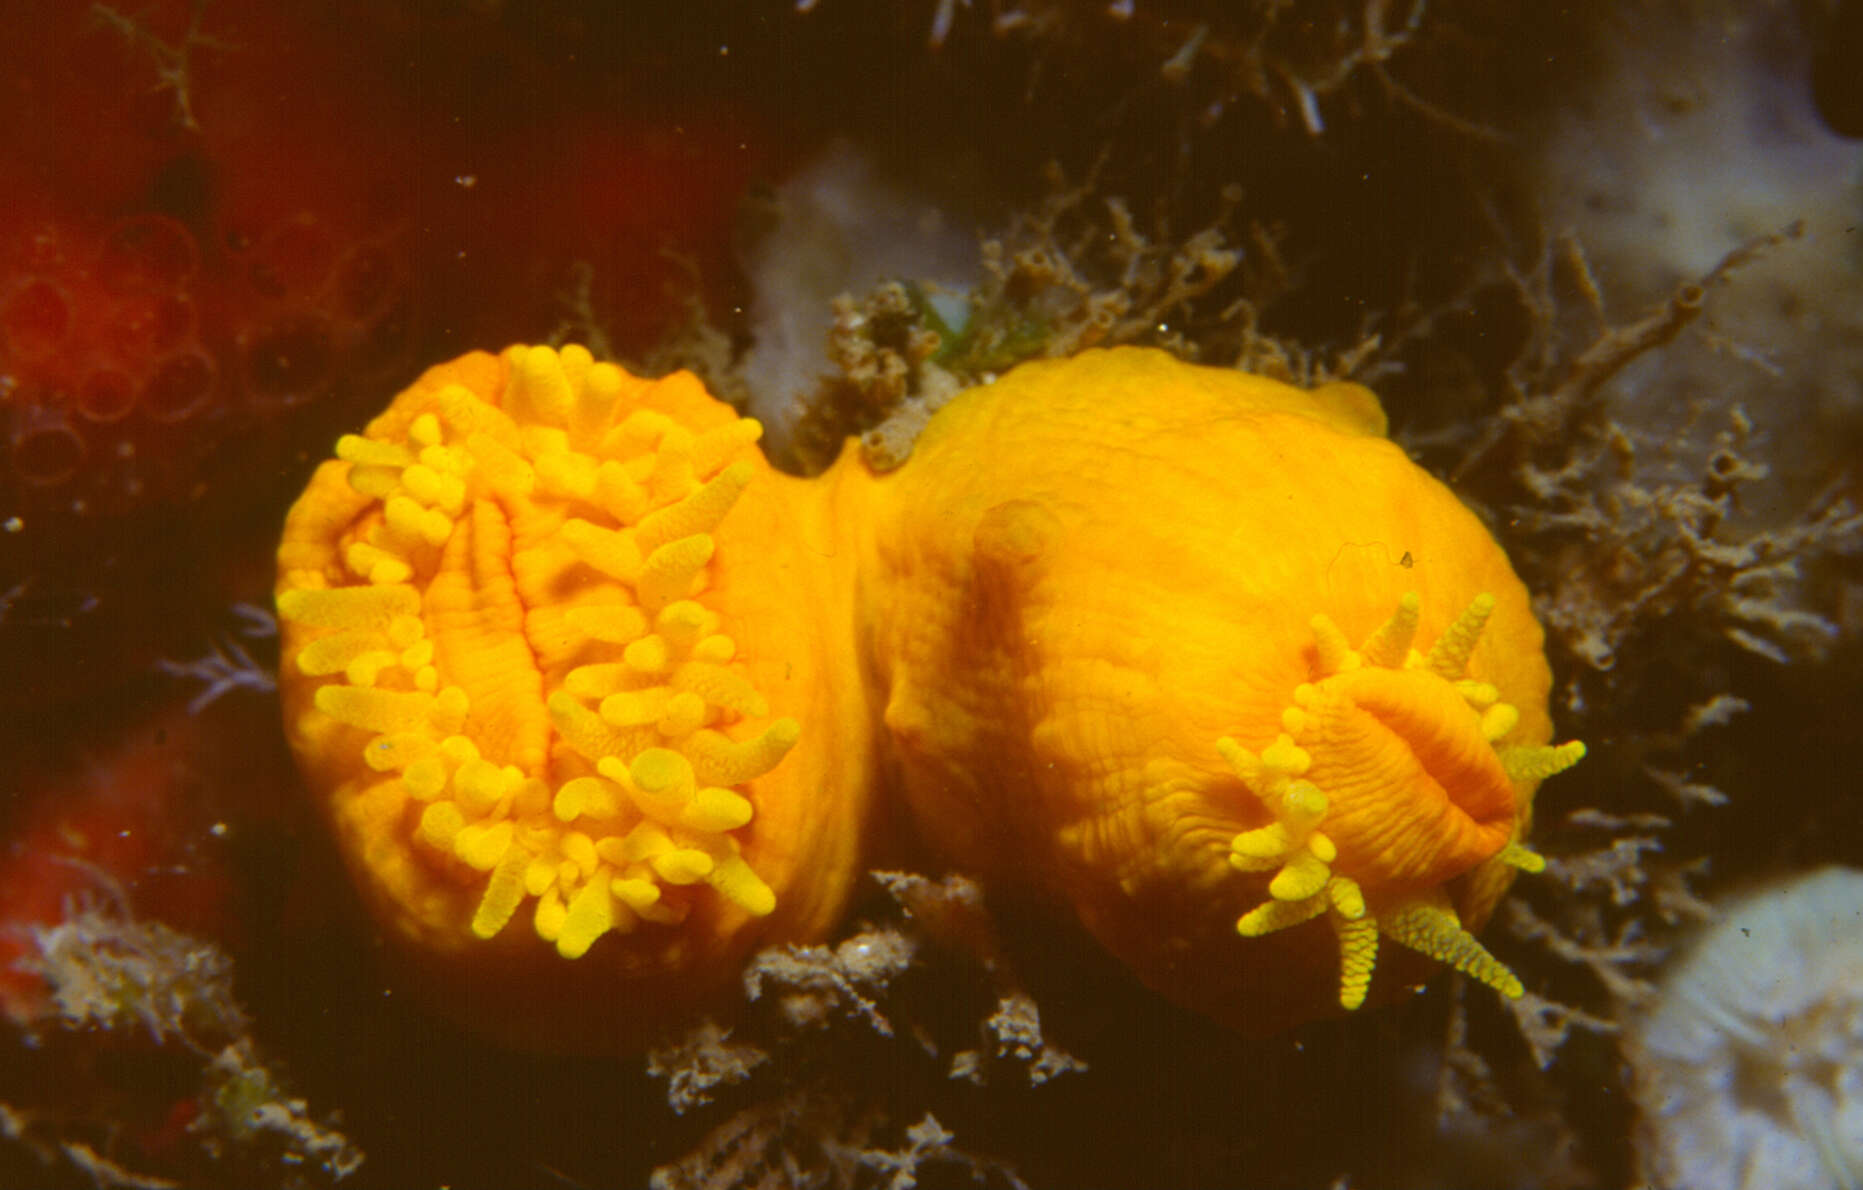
x,y
1418,794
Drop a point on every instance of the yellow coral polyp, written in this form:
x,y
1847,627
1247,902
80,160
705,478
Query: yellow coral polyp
x,y
560,646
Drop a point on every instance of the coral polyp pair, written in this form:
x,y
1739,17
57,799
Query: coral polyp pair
x,y
559,643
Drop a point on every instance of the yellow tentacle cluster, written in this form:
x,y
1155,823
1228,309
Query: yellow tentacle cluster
x,y
1416,913
513,636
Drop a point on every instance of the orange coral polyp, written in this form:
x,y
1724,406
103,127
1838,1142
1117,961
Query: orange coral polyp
x,y
476,517
505,669
1200,656
1206,658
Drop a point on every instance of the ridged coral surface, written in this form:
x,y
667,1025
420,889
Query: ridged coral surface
x,y
1197,655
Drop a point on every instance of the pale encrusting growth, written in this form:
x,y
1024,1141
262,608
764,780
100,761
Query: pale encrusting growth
x,y
840,225
1749,1069
1695,137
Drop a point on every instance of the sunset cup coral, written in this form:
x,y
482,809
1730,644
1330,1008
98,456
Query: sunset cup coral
x,y
548,653
1201,657
1208,658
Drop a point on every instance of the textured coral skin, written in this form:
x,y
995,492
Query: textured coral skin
x,y
1033,634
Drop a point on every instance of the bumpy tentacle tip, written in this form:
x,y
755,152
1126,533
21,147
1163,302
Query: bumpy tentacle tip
x,y
1428,924
1358,955
1535,764
1515,855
